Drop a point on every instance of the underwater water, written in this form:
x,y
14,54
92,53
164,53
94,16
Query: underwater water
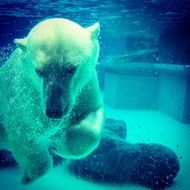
x,y
144,77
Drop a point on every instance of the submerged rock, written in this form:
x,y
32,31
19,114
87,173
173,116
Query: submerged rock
x,y
117,127
157,166
6,159
116,161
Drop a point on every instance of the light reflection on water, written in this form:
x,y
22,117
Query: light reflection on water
x,y
107,11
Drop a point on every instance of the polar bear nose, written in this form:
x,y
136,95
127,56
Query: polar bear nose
x,y
56,114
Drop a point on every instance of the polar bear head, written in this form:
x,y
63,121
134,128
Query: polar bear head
x,y
62,57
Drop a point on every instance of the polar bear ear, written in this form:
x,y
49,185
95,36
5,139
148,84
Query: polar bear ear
x,y
94,30
21,43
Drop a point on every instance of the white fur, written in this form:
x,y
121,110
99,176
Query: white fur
x,y
52,47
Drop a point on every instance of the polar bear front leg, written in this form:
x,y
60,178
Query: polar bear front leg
x,y
81,139
33,158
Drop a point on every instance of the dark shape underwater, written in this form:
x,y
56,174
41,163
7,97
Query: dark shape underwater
x,y
116,161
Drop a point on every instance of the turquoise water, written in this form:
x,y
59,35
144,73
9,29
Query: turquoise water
x,y
143,72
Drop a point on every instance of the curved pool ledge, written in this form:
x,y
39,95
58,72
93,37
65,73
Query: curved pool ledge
x,y
162,87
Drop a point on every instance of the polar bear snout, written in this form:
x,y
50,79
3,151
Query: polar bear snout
x,y
56,114
57,108
57,102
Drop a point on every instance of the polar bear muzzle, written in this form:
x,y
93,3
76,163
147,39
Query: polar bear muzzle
x,y
56,114
56,108
57,102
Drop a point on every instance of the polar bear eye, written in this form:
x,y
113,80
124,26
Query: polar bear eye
x,y
39,72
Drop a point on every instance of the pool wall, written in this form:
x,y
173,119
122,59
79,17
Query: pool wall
x,y
162,87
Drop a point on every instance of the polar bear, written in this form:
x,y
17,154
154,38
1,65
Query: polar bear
x,y
50,97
